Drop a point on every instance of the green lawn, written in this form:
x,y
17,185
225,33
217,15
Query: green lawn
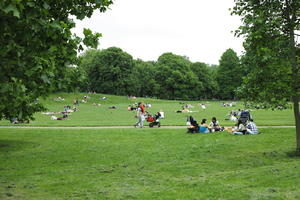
x,y
147,164
89,115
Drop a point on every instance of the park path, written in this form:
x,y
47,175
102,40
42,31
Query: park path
x,y
114,127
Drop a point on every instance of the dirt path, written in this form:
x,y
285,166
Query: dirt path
x,y
115,127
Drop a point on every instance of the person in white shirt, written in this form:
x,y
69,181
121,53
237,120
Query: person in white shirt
x,y
251,127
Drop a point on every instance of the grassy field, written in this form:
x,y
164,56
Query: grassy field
x,y
147,164
89,115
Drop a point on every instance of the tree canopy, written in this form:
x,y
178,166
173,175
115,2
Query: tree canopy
x,y
229,75
110,72
114,71
36,47
272,53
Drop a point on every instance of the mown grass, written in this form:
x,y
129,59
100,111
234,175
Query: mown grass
x,y
89,115
147,164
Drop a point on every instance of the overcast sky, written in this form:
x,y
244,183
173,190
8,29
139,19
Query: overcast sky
x,y
198,29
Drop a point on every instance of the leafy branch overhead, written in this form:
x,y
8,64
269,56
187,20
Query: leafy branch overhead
x,y
272,55
37,45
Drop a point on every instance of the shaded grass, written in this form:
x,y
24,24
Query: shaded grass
x,y
147,164
89,115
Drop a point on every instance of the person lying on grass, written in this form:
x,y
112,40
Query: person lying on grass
x,y
64,117
185,110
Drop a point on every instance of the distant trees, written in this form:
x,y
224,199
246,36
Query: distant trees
x,y
229,74
144,74
176,79
207,77
111,72
114,71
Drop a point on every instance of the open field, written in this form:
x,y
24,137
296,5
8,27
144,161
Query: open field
x,y
89,115
147,164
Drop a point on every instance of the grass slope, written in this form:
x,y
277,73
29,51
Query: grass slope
x,y
102,116
146,164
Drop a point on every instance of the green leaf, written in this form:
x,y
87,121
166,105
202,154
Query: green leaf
x,y
46,6
12,8
87,31
45,78
30,4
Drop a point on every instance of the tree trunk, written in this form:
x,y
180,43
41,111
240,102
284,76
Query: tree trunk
x,y
297,122
291,22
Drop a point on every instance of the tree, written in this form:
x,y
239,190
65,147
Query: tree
x,y
36,47
74,79
176,79
110,72
86,62
272,53
207,78
145,84
229,75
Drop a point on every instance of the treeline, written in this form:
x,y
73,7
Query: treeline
x,y
113,71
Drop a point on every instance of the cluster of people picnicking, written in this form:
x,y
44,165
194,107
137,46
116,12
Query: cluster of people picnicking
x,y
235,115
67,108
66,112
230,104
136,105
185,108
194,127
142,115
245,125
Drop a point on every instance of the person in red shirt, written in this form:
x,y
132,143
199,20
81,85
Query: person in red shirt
x,y
142,106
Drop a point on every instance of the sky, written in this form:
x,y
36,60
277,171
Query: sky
x,y
202,30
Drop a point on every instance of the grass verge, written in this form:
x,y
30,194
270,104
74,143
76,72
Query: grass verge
x,y
147,164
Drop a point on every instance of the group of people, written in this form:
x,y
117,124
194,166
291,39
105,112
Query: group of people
x,y
244,126
194,127
230,104
235,115
185,108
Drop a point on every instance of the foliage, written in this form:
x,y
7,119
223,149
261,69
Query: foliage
x,y
113,71
268,57
36,47
145,75
110,72
229,75
269,28
177,81
207,77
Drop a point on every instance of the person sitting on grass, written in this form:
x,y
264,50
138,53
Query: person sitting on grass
x,y
241,128
192,124
215,126
204,128
251,127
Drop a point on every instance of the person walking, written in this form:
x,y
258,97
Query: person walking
x,y
140,113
